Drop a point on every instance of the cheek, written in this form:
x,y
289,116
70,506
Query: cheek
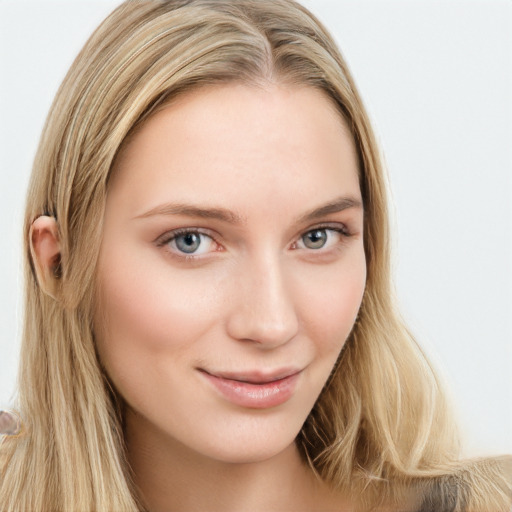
x,y
154,316
330,309
147,312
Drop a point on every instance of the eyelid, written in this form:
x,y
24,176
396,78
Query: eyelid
x,y
167,237
173,233
338,227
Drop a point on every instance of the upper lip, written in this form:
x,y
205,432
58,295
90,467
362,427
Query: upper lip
x,y
254,376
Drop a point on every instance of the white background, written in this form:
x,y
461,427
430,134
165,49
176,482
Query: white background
x,y
437,80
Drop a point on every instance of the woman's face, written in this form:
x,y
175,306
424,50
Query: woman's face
x,y
232,267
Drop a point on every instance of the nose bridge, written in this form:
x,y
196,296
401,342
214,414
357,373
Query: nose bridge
x,y
264,310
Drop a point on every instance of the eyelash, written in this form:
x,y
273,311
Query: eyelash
x,y
169,237
173,235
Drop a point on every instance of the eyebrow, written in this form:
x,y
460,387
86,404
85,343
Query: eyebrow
x,y
194,211
224,215
338,205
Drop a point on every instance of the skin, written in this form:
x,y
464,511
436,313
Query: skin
x,y
260,295
9,423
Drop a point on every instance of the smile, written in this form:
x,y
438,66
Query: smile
x,y
254,390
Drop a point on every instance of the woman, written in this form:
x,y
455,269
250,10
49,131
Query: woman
x,y
209,319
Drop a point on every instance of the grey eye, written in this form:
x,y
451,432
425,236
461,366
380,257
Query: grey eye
x,y
188,243
315,239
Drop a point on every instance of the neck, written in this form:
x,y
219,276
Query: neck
x,y
170,477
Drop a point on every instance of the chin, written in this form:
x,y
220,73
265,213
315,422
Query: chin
x,y
249,453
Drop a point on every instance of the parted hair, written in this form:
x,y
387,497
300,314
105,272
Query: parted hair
x,y
382,422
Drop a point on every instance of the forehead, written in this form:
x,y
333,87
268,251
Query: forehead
x,y
233,142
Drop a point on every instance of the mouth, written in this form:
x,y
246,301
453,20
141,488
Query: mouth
x,y
255,390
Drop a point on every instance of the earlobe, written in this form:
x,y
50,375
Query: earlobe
x,y
45,251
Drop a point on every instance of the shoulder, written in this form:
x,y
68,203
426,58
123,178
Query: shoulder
x,y
480,485
443,494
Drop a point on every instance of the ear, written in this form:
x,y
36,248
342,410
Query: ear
x,y
45,252
10,423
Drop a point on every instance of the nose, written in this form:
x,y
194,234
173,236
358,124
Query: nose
x,y
263,309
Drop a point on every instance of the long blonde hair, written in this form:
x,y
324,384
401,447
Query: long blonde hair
x,y
381,421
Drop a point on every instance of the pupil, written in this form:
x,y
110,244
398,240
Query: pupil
x,y
315,239
188,243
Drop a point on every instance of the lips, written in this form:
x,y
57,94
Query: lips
x,y
255,390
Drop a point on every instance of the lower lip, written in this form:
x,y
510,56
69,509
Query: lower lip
x,y
255,396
